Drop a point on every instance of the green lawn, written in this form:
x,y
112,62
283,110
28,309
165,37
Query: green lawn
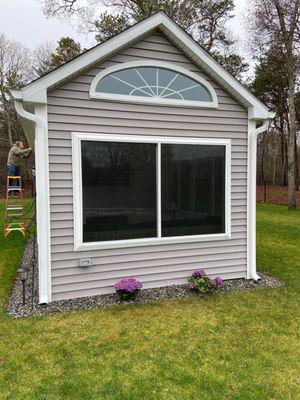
x,y
228,346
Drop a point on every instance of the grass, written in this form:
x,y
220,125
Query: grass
x,y
236,346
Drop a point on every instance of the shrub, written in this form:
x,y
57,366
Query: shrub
x,y
200,282
127,288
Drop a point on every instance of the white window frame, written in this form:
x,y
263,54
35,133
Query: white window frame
x,y
79,245
154,100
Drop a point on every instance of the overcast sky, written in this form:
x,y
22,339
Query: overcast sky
x,y
24,21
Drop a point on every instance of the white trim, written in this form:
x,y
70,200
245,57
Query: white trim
x,y
42,196
158,188
251,197
148,139
43,205
119,244
77,191
257,110
228,187
77,137
153,100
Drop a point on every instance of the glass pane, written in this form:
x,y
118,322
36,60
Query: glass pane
x,y
153,82
130,76
193,189
149,75
165,76
170,94
110,85
143,91
182,82
118,190
199,93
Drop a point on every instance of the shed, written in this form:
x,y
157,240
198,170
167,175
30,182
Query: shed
x,y
145,164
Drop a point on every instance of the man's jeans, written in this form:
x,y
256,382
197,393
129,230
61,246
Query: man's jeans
x,y
12,170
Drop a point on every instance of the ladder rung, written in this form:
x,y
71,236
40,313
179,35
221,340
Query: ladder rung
x,y
14,208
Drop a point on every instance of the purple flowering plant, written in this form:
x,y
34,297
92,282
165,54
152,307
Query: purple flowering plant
x,y
201,283
127,288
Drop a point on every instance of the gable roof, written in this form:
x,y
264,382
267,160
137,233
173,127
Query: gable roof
x,y
36,91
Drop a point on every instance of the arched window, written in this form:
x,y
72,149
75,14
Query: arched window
x,y
155,82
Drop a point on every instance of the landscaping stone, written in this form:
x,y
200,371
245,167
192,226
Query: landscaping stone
x,y
32,308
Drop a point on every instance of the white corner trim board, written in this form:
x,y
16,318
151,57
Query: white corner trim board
x,y
79,245
154,100
42,195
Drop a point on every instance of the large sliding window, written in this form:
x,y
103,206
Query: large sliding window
x,y
148,190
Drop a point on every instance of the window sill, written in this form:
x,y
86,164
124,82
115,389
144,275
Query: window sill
x,y
119,244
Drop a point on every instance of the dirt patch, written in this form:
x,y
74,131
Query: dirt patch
x,y
275,194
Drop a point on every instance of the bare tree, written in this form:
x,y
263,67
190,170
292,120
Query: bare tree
x,y
279,21
57,7
42,58
15,70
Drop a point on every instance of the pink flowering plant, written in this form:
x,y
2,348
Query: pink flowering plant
x,y
127,288
201,283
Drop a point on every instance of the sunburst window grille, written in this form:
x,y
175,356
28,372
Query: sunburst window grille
x,y
153,82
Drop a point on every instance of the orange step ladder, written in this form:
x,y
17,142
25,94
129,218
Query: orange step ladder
x,y
14,206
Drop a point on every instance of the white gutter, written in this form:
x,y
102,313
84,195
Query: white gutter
x,y
39,118
251,195
28,115
262,128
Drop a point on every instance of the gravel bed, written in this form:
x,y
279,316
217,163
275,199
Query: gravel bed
x,y
17,310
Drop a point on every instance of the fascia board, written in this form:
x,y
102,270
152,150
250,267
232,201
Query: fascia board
x,y
258,113
93,56
38,97
202,58
17,94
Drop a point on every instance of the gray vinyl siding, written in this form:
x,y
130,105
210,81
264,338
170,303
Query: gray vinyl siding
x,y
71,109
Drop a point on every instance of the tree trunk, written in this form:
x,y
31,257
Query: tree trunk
x,y
292,132
285,163
283,150
262,163
296,166
274,169
282,141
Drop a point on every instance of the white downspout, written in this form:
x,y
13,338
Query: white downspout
x,y
251,197
28,115
42,195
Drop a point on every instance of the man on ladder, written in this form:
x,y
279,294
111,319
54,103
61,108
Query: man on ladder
x,y
15,156
14,209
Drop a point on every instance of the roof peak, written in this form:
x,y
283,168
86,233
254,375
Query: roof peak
x,y
36,91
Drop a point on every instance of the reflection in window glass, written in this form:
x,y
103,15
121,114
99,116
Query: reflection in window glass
x,y
118,190
193,189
